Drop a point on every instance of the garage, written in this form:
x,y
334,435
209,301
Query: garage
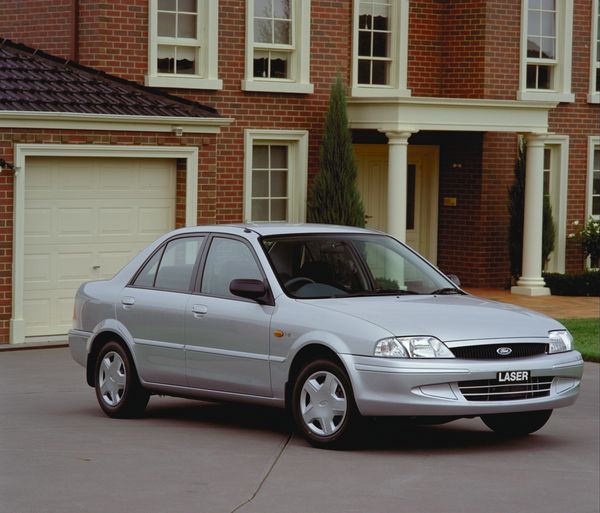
x,y
84,219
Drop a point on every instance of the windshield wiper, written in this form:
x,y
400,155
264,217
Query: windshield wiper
x,y
446,291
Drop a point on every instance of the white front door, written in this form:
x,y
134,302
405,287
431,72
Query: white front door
x,y
84,219
421,193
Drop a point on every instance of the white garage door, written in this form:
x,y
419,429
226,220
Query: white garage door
x,y
84,219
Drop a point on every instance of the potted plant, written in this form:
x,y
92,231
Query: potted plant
x,y
589,238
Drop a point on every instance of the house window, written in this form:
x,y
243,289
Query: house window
x,y
594,178
182,49
380,48
275,175
277,46
546,31
594,96
556,163
270,172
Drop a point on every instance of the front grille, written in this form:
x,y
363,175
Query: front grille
x,y
489,351
491,390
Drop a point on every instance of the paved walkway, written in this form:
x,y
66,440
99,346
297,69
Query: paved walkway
x,y
559,307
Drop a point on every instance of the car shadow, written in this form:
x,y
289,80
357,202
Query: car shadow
x,y
378,434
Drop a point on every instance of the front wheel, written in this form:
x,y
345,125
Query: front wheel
x,y
516,424
118,389
323,405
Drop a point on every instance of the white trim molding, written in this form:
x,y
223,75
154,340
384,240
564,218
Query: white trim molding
x,y
593,144
297,169
560,90
75,121
205,47
398,47
297,52
455,114
594,93
23,151
559,146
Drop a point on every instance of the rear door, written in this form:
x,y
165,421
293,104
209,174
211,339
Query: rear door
x,y
152,308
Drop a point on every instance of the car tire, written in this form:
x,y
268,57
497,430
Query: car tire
x,y
516,424
323,406
118,389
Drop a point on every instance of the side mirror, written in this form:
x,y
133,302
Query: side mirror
x,y
249,289
454,279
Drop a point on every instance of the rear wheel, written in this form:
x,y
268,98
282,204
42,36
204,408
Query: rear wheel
x,y
118,389
516,424
323,404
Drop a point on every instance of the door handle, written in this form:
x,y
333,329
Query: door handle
x,y
199,309
128,301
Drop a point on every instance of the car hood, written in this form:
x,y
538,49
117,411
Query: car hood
x,y
448,318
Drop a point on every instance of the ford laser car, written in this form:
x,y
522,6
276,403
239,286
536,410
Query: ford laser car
x,y
332,323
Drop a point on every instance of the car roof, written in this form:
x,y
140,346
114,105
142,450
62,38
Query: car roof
x,y
268,229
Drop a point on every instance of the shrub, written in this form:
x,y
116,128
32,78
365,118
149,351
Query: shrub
x,y
334,196
584,284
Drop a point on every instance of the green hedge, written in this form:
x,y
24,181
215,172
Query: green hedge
x,y
584,284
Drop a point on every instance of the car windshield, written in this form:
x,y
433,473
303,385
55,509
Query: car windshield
x,y
331,265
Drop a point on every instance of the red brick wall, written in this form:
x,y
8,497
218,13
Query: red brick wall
x,y
41,24
10,137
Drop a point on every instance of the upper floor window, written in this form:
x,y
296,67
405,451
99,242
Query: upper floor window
x,y
183,44
380,48
546,50
277,46
594,96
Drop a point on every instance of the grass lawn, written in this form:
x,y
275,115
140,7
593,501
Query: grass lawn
x,y
587,337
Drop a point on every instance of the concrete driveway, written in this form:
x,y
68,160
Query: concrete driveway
x,y
60,454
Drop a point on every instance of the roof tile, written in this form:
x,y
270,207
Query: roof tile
x,y
31,80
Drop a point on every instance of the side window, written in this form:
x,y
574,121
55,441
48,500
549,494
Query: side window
x,y
171,268
227,260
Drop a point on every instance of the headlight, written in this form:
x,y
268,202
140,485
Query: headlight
x,y
560,341
412,347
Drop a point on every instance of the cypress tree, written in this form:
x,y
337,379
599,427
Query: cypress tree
x,y
334,197
548,232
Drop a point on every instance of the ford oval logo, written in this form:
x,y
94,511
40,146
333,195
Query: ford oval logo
x,y
504,351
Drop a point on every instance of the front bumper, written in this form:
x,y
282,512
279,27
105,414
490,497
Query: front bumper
x,y
390,387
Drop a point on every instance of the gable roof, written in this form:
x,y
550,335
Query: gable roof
x,y
34,81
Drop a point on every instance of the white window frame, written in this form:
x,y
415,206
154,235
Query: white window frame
x,y
207,41
399,55
593,144
299,63
594,96
559,180
562,70
297,142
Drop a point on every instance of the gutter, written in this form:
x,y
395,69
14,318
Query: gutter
x,y
111,122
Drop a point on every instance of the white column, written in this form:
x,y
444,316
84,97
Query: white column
x,y
531,282
396,189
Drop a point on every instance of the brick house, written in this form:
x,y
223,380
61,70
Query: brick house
x,y
217,117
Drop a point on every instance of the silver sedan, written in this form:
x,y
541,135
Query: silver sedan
x,y
332,323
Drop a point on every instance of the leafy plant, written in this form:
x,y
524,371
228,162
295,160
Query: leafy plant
x,y
334,197
548,232
589,237
516,209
